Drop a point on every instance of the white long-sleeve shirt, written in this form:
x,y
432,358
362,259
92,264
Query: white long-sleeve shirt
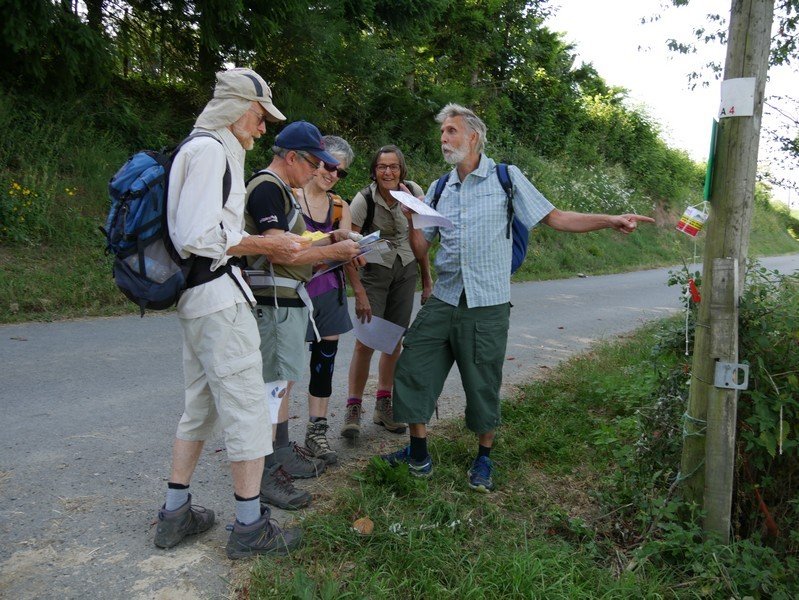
x,y
195,212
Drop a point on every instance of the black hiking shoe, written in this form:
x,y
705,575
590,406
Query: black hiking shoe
x,y
299,462
277,489
174,525
262,537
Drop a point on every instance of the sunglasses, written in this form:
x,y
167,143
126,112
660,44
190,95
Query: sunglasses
x,y
342,173
317,163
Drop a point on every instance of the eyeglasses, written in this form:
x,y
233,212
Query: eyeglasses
x,y
383,168
342,173
314,163
263,120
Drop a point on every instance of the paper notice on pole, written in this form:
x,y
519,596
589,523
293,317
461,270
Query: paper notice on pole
x,y
378,333
737,97
423,215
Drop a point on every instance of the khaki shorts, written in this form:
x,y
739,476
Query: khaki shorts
x,y
475,339
282,332
390,291
223,383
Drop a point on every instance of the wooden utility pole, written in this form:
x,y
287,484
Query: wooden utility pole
x,y
722,402
731,201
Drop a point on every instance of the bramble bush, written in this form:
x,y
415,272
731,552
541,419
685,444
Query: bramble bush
x,y
650,521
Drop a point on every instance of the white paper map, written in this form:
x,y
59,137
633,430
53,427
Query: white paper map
x,y
423,215
378,333
369,244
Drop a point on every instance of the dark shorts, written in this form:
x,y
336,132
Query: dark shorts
x,y
331,316
441,334
390,291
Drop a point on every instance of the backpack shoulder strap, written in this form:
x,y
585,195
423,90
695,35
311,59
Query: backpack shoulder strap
x,y
227,180
338,207
504,180
440,185
370,208
291,208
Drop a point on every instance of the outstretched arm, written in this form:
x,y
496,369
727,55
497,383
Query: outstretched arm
x,y
575,222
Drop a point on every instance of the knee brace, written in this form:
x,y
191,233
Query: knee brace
x,y
274,392
323,358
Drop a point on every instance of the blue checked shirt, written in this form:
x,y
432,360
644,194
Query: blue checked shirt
x,y
475,255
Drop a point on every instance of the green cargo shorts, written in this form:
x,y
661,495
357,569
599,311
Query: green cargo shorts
x,y
475,339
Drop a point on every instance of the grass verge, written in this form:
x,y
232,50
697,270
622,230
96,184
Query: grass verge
x,y
436,538
551,530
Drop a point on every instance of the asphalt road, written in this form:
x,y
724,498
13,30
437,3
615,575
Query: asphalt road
x,y
89,410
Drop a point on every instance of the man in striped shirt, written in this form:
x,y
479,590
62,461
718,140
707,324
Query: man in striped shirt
x,y
467,318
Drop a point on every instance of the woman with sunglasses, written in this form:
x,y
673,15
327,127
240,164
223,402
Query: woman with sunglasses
x,y
383,290
325,211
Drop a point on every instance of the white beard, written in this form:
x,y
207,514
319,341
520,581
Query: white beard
x,y
246,140
453,156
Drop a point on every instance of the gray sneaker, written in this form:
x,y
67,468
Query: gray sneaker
x,y
316,442
384,415
262,537
352,422
299,462
277,489
174,525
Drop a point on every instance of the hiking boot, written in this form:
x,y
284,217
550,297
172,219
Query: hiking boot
x,y
262,537
277,489
352,421
299,462
174,525
417,468
480,474
384,415
316,442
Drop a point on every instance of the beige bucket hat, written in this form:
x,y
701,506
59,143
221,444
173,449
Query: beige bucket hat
x,y
247,84
235,89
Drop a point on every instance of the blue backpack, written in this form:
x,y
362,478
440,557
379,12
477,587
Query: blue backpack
x,y
521,234
147,267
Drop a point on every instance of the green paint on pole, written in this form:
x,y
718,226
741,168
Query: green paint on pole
x,y
711,161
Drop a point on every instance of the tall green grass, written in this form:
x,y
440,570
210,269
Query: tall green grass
x,y
56,159
552,529
574,515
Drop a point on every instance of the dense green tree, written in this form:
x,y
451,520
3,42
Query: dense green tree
x,y
374,70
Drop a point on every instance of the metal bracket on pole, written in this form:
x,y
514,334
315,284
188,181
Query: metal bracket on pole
x,y
725,376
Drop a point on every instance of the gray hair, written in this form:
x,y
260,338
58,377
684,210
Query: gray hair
x,y
472,121
339,146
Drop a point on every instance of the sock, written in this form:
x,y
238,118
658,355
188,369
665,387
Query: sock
x,y
269,460
177,494
316,419
483,450
248,510
383,394
282,435
353,400
418,448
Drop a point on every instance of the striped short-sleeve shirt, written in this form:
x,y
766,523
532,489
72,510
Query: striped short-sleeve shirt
x,y
475,254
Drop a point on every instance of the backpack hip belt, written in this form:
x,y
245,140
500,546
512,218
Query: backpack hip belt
x,y
260,279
